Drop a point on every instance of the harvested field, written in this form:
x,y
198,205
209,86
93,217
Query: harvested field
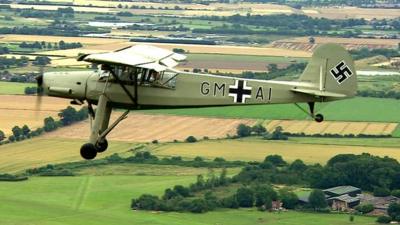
x,y
20,110
351,12
250,150
330,127
146,128
302,43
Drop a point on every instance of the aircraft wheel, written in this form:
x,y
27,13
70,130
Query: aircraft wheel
x,y
88,151
102,145
319,118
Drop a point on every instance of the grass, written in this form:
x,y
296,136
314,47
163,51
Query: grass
x,y
257,150
99,200
147,170
12,88
356,109
38,152
367,142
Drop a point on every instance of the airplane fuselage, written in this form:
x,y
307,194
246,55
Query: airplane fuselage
x,y
187,90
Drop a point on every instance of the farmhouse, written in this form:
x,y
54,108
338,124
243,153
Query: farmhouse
x,y
343,202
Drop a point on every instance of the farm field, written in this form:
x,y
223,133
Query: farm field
x,y
20,110
221,9
101,200
356,109
302,43
251,150
332,127
336,12
38,152
105,44
146,128
7,88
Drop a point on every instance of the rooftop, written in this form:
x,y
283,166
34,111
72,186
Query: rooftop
x,y
341,190
346,198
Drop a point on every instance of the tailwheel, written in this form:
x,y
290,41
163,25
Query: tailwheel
x,y
101,145
319,118
88,151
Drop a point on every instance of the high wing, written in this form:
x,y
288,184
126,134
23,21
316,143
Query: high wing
x,y
142,56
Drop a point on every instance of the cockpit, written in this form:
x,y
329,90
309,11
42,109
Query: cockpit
x,y
128,75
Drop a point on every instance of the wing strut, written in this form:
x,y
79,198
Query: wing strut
x,y
133,99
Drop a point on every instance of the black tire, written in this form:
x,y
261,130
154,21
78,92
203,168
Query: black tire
x,y
102,145
319,118
88,151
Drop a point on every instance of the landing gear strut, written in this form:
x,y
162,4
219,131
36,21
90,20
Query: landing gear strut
x,y
318,117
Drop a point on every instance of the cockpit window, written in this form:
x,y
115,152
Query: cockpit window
x,y
145,77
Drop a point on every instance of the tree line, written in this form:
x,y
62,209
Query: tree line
x,y
67,116
48,45
254,184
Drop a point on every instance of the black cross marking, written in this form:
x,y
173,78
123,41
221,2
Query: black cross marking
x,y
240,91
341,72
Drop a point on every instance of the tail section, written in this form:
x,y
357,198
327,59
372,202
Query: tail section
x,y
331,71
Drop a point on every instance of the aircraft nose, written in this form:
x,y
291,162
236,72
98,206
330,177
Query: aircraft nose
x,y
64,84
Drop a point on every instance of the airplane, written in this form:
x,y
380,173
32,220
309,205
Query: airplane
x,y
142,76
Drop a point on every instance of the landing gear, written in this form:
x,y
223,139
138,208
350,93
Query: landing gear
x,y
318,118
88,151
101,145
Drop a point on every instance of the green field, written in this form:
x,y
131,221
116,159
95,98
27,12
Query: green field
x,y
13,88
104,200
356,109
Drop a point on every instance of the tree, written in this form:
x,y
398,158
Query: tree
x,y
395,193
182,191
258,129
146,202
394,211
49,124
381,192
277,160
317,200
384,219
25,130
365,208
68,115
2,135
288,198
264,195
198,206
17,131
191,139
243,130
41,61
230,202
245,197
298,166
311,40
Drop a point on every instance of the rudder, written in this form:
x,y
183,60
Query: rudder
x,y
331,70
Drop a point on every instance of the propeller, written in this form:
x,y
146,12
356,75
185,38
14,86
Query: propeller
x,y
39,91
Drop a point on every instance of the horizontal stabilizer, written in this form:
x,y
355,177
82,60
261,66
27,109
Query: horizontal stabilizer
x,y
319,93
